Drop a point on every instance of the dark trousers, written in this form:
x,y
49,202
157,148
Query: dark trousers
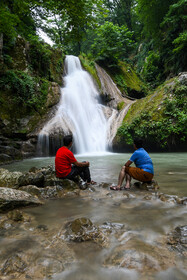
x,y
83,172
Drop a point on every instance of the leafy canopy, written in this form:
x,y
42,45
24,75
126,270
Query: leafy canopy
x,y
112,42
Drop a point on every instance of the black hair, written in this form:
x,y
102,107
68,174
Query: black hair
x,y
67,140
138,142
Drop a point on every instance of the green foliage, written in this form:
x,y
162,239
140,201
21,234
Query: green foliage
x,y
168,128
16,18
89,65
180,42
120,81
25,90
40,57
112,42
69,21
120,12
8,23
120,105
152,68
151,14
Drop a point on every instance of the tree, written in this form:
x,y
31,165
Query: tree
x,y
151,13
112,42
70,19
174,37
120,12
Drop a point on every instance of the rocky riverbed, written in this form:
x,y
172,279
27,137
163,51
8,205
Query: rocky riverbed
x,y
34,250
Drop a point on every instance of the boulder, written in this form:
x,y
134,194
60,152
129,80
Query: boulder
x,y
82,229
29,178
9,179
11,199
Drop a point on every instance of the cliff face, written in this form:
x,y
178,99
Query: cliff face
x,y
160,119
30,79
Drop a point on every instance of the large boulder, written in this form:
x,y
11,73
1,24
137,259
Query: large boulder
x,y
10,199
9,179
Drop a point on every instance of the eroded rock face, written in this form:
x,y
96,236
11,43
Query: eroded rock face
x,y
10,199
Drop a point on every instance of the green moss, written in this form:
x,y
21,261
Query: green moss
x,y
160,117
127,80
89,66
131,78
120,105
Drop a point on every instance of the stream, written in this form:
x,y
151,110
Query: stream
x,y
136,247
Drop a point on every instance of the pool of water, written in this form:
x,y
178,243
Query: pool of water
x,y
146,224
170,168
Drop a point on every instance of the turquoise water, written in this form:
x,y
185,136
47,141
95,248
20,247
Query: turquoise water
x,y
146,222
170,168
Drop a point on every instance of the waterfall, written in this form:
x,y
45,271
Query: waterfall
x,y
79,112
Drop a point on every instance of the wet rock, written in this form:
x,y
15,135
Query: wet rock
x,y
172,198
12,221
151,186
5,158
15,215
7,227
11,199
13,264
50,192
42,227
182,200
178,239
182,77
140,256
29,178
33,190
104,185
33,169
82,229
112,228
9,179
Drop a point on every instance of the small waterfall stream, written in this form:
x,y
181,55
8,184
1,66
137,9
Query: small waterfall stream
x,y
81,113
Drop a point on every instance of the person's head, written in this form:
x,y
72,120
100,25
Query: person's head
x,y
68,139
138,143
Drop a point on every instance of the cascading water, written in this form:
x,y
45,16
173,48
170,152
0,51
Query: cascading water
x,y
79,112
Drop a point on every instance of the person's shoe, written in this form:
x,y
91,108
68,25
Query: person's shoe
x,y
114,188
83,186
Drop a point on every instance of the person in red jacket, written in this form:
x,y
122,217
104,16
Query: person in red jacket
x,y
66,165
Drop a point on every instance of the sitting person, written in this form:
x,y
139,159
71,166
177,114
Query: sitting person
x,y
66,165
143,171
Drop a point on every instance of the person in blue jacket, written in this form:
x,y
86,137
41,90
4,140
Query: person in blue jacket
x,y
143,171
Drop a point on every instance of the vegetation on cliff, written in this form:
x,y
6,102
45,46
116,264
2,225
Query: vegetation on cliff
x,y
140,44
159,118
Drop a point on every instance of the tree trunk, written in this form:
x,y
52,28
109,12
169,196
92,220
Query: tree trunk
x,y
1,45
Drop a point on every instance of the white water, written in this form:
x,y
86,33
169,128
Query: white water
x,y
79,112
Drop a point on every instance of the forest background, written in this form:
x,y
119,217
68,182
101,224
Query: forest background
x,y
149,35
